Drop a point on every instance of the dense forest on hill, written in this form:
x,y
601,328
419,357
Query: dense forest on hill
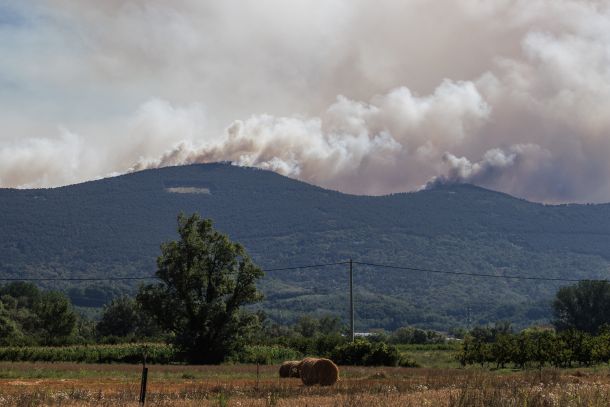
x,y
114,226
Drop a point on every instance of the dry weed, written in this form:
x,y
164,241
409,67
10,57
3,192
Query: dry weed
x,y
190,386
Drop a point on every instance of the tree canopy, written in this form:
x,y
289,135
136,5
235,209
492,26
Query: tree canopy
x,y
31,316
206,279
584,306
124,318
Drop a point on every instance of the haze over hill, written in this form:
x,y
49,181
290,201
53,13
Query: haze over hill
x,y
114,226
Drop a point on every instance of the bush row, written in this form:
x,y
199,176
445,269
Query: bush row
x,y
156,353
266,355
358,353
124,353
536,348
361,352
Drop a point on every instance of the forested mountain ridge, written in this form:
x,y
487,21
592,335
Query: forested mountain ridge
x,y
114,226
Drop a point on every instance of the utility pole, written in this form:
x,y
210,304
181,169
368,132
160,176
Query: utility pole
x,y
351,298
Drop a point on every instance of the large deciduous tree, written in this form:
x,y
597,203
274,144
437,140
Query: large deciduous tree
x,y
584,306
206,281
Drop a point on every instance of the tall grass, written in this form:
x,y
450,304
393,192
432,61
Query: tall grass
x,y
361,386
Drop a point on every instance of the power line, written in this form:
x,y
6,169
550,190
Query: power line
x,y
459,273
308,266
78,279
318,265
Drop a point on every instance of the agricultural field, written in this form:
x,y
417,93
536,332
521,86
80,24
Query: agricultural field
x,y
432,355
70,384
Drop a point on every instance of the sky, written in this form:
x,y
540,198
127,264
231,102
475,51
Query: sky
x,y
360,96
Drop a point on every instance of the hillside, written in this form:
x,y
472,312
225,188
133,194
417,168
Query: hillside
x,y
114,227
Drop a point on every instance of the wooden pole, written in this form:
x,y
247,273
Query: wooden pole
x,y
144,379
351,299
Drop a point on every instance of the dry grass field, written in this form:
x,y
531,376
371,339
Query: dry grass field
x,y
64,384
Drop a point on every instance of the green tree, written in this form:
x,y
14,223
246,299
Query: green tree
x,y
119,318
584,306
307,326
56,317
124,318
601,345
10,332
24,294
541,345
31,316
409,335
503,349
206,279
330,325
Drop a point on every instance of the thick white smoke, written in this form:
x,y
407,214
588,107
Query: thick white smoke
x,y
70,158
512,95
389,144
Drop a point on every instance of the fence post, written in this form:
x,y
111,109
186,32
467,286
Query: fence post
x,y
144,378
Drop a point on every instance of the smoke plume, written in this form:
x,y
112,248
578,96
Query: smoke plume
x,y
362,97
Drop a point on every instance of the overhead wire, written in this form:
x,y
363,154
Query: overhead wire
x,y
461,273
78,279
319,265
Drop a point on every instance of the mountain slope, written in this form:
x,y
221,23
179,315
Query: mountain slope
x,y
115,226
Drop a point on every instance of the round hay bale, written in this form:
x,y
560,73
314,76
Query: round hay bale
x,y
295,369
290,368
309,375
327,372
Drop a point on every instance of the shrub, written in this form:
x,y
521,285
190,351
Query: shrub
x,y
361,352
265,355
406,361
382,355
352,353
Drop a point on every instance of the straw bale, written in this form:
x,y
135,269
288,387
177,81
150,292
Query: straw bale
x,y
309,376
327,372
318,371
290,368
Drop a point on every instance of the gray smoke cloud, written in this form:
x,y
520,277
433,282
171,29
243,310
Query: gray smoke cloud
x,y
363,97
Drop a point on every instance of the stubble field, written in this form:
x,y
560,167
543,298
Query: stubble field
x,y
66,384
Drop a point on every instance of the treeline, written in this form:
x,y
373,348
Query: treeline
x,y
30,316
581,334
38,325
199,306
534,347
439,228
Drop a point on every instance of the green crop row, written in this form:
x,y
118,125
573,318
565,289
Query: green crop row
x,y
156,353
123,353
